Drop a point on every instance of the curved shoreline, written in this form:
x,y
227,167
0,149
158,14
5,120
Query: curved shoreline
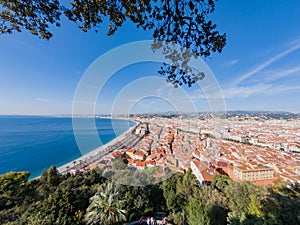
x,y
99,152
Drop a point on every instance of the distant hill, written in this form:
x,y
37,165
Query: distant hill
x,y
269,114
258,112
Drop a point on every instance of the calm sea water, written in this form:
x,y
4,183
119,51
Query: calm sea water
x,y
35,143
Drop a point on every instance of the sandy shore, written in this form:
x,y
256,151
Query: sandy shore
x,y
98,153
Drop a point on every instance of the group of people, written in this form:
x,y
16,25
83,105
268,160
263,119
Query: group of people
x,y
164,221
153,221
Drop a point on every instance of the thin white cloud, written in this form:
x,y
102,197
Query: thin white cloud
x,y
231,63
244,91
82,102
41,99
257,69
277,74
281,89
257,89
232,92
67,101
266,84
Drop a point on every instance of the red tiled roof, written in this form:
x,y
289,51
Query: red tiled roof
x,y
130,161
139,153
141,164
130,150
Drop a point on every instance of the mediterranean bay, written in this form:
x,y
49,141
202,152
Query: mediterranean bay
x,y
34,143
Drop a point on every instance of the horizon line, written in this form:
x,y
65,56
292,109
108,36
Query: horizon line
x,y
157,113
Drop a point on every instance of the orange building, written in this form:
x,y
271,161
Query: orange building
x,y
258,176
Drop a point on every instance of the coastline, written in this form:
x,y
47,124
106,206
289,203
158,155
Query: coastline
x,y
30,124
99,152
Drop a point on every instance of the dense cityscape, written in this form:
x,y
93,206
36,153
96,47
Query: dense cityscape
x,y
170,169
248,147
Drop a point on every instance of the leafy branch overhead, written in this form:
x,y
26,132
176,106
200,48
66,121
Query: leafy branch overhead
x,y
34,16
182,22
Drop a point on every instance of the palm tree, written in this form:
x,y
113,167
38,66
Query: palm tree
x,y
105,206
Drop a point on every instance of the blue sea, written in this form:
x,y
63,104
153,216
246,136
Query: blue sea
x,y
32,143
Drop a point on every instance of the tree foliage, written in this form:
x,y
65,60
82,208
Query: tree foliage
x,y
89,198
13,186
182,22
196,213
106,206
34,16
11,183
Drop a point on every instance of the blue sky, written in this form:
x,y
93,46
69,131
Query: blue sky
x,y
259,68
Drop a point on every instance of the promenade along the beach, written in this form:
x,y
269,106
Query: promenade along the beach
x,y
126,140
